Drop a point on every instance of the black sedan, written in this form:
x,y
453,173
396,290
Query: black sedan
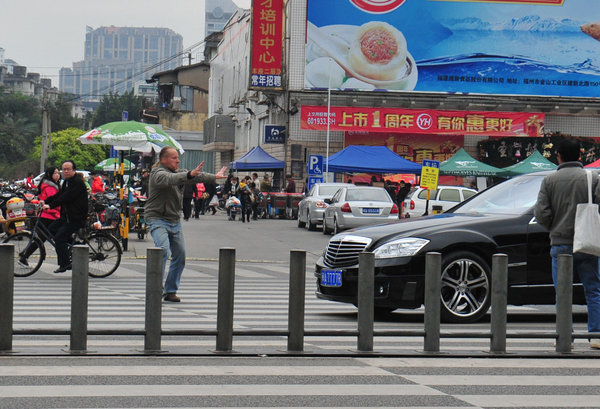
x,y
497,220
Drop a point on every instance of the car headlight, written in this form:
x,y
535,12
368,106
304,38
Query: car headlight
x,y
405,247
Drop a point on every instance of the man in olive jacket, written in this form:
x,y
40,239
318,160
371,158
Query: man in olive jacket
x,y
555,210
162,212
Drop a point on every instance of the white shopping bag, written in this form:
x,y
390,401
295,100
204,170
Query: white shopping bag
x,y
587,225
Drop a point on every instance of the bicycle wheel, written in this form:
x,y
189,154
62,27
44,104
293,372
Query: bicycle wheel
x,y
21,240
105,254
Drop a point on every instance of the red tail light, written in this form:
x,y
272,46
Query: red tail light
x,y
412,205
394,209
346,208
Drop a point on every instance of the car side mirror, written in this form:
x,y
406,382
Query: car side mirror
x,y
327,200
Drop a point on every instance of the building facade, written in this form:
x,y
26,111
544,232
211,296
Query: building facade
x,y
217,14
115,58
310,85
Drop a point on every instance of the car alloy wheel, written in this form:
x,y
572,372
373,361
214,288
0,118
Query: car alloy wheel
x,y
465,288
325,231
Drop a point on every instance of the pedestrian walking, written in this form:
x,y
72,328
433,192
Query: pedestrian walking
x,y
162,212
401,195
189,193
245,197
289,188
555,210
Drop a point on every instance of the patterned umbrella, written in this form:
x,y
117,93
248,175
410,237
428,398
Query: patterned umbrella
x,y
125,135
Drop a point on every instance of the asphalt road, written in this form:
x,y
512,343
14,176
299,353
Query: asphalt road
x,y
262,240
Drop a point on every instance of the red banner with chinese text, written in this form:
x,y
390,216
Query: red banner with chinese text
x,y
267,44
423,121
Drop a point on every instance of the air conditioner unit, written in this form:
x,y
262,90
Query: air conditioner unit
x,y
262,99
176,104
252,96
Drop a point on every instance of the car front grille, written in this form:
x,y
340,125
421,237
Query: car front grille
x,y
344,252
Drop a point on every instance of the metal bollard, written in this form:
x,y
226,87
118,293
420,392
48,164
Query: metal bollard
x,y
225,300
79,298
7,285
366,301
499,294
296,303
153,313
564,303
433,274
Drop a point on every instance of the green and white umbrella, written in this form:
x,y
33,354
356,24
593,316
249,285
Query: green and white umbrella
x,y
126,135
111,164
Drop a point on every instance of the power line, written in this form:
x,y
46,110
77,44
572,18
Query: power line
x,y
102,91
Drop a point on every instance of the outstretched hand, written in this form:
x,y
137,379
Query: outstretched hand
x,y
221,174
197,170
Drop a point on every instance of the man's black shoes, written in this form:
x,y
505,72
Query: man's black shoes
x,y
63,269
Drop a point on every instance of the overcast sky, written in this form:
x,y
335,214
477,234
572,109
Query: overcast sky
x,y
45,36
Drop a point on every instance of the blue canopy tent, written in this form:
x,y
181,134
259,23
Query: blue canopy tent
x,y
370,159
256,159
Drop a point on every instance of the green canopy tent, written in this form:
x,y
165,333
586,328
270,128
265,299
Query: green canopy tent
x,y
463,164
534,163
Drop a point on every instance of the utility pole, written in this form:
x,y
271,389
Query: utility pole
x,y
46,138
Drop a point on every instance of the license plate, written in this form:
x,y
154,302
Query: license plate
x,y
331,278
370,210
19,225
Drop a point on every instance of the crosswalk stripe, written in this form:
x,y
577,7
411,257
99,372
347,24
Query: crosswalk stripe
x,y
212,390
532,401
185,370
476,380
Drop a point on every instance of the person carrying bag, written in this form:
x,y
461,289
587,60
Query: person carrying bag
x,y
565,207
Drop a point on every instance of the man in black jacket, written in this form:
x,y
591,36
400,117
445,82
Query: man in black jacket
x,y
73,202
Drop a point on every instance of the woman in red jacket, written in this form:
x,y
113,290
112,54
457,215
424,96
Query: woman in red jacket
x,y
49,186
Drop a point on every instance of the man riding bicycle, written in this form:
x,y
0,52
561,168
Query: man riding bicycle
x,y
73,201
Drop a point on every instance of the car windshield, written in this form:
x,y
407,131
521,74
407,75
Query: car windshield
x,y
328,190
367,194
515,196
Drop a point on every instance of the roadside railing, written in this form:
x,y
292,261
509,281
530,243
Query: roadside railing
x,y
296,332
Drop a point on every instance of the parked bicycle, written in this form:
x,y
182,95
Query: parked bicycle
x,y
30,251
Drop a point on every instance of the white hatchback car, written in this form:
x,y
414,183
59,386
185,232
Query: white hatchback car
x,y
445,196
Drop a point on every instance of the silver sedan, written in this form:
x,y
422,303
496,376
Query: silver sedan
x,y
357,206
311,208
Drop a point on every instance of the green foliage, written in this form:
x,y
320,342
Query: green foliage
x,y
65,146
112,105
20,122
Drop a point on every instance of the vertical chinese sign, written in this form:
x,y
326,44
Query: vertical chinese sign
x,y
267,44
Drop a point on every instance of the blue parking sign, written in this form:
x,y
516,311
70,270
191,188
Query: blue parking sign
x,y
315,165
